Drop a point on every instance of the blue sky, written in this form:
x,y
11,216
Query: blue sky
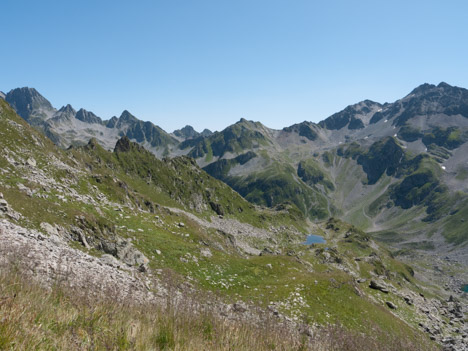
x,y
208,63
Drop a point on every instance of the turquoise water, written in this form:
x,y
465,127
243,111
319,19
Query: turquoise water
x,y
465,288
314,239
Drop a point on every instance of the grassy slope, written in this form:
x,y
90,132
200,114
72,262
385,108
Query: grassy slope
x,y
301,282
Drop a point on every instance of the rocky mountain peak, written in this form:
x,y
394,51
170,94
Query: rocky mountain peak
x,y
128,117
444,85
186,133
87,116
352,116
206,132
68,109
124,144
422,89
28,102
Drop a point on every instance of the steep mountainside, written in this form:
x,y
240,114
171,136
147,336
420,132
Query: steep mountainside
x,y
125,224
69,127
374,165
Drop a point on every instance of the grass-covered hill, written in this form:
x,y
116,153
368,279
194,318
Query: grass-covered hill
x,y
172,233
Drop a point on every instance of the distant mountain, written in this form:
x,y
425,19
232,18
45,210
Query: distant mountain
x,y
30,105
186,133
67,126
189,133
370,163
124,226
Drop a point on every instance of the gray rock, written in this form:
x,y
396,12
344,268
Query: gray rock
x,y
391,305
31,162
408,300
239,307
4,205
377,285
143,268
124,251
48,229
110,260
206,252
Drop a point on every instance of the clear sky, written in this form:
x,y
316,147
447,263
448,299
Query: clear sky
x,y
208,63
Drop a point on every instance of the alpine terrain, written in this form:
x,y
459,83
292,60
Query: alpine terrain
x,y
115,234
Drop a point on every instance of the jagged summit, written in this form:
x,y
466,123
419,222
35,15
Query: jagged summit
x,y
127,116
68,109
28,103
354,116
124,144
88,117
186,132
206,132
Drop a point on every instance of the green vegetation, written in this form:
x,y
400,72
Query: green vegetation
x,y
450,138
235,139
305,129
409,133
278,184
34,318
311,173
167,208
384,156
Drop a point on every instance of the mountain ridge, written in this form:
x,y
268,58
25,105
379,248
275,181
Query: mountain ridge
x,y
306,163
144,220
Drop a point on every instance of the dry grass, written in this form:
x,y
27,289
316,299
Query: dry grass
x,y
35,318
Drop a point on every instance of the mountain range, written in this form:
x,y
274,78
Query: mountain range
x,y
96,210
370,164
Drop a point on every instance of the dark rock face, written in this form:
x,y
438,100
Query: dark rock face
x,y
426,100
349,116
414,189
66,113
123,145
449,138
141,131
186,133
236,138
383,156
88,117
220,168
206,132
27,101
305,129
409,134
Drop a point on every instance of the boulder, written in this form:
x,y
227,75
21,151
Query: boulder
x,y
239,307
48,229
110,260
124,251
391,305
3,205
31,162
377,285
206,252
